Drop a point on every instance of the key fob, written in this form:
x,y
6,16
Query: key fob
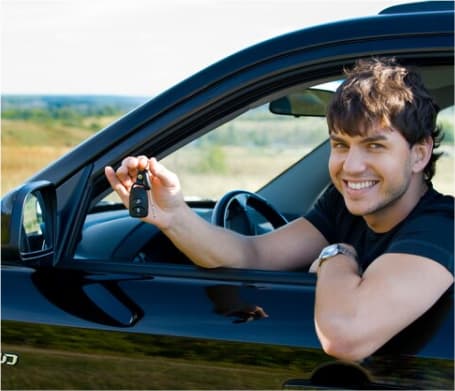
x,y
138,203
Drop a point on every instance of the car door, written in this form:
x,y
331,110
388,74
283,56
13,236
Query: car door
x,y
197,329
78,318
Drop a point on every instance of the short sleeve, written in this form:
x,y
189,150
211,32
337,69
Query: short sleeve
x,y
431,238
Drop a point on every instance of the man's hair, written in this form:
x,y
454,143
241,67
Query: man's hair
x,y
379,90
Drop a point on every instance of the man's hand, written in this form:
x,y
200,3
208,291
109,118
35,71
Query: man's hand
x,y
165,196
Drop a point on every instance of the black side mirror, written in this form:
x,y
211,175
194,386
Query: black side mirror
x,y
29,224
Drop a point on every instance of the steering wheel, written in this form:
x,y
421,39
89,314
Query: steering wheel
x,y
246,212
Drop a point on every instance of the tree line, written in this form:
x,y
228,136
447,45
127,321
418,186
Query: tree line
x,y
70,110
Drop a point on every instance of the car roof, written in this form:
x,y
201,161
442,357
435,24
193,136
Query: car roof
x,y
421,6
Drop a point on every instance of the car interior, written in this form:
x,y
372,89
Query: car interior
x,y
252,173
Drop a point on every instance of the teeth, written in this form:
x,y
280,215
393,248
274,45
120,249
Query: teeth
x,y
360,185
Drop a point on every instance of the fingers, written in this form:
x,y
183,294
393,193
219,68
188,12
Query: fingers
x,y
127,172
124,178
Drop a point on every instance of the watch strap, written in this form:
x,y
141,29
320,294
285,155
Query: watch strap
x,y
339,248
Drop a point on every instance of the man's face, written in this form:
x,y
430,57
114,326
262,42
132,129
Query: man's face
x,y
373,172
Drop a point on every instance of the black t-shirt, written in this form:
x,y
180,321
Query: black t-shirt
x,y
427,231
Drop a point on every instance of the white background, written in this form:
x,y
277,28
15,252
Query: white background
x,y
141,47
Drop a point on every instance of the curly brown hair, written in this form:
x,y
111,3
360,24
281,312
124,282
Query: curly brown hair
x,y
381,90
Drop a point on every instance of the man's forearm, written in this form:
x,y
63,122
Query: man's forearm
x,y
337,304
205,244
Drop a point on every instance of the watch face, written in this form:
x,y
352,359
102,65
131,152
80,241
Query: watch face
x,y
330,251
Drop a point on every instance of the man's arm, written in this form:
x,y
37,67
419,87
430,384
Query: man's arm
x,y
294,245
355,315
291,246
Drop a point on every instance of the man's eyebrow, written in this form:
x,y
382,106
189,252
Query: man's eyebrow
x,y
335,137
370,139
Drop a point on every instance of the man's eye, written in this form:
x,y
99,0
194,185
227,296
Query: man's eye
x,y
375,146
339,146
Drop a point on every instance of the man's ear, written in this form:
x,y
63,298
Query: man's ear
x,y
422,152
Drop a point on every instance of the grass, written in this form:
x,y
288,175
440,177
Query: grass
x,y
19,162
243,168
29,146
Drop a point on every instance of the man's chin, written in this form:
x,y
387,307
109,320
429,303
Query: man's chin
x,y
359,210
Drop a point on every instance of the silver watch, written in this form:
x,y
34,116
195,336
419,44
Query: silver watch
x,y
335,249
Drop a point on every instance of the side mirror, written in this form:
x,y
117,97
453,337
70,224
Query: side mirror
x,y
29,224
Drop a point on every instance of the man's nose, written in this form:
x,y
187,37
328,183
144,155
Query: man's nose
x,y
354,162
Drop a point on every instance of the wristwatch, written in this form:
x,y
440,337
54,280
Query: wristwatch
x,y
335,249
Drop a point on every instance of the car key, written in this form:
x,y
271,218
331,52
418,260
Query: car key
x,y
138,202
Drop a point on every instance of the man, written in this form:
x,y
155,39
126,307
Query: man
x,y
386,235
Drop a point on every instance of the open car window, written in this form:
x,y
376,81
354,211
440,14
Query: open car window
x,y
244,153
278,137
247,152
251,149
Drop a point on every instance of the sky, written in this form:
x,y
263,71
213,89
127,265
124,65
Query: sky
x,y
142,47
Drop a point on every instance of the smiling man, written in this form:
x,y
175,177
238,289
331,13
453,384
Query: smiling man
x,y
382,209
386,235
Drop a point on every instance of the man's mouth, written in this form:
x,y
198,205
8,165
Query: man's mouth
x,y
360,185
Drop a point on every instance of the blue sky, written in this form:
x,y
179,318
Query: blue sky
x,y
141,47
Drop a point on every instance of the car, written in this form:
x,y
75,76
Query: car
x,y
93,298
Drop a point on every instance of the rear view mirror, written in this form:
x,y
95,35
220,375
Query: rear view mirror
x,y
310,103
28,224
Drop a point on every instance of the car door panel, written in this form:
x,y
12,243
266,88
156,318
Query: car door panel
x,y
201,324
184,325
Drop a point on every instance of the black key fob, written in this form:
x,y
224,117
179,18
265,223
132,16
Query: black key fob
x,y
138,203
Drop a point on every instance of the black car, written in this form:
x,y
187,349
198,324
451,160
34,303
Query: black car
x,y
93,298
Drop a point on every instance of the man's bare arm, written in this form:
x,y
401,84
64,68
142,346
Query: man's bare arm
x,y
294,245
355,315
